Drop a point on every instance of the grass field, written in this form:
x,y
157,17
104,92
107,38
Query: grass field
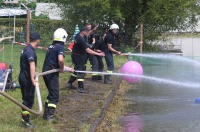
x,y
10,113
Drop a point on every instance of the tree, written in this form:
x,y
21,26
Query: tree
x,y
158,16
1,1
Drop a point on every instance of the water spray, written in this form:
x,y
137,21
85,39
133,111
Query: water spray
x,y
132,72
169,56
149,55
160,80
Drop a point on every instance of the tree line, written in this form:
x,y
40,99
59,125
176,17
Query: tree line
x,y
157,16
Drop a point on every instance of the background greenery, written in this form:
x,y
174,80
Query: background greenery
x,y
44,27
158,16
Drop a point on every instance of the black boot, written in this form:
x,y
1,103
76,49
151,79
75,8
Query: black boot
x,y
94,77
48,116
70,86
80,87
25,122
99,77
69,83
45,110
107,79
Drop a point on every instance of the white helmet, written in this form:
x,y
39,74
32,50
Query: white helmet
x,y
114,26
60,35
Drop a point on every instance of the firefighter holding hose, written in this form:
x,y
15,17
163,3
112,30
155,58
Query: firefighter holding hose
x,y
79,50
109,49
54,60
28,62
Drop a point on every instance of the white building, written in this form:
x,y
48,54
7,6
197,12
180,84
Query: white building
x,y
17,1
11,1
49,9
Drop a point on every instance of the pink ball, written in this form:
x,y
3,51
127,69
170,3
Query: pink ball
x,y
132,68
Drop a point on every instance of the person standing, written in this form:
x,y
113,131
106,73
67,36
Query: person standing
x,y
54,60
28,62
97,62
79,50
91,40
91,36
109,49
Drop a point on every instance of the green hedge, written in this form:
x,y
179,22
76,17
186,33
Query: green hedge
x,y
44,27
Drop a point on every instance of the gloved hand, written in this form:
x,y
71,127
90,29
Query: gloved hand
x,y
119,53
68,69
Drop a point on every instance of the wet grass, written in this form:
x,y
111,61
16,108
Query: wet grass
x,y
10,113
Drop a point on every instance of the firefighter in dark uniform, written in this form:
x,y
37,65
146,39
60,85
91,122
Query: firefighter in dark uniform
x,y
109,49
79,50
91,40
97,62
54,60
28,62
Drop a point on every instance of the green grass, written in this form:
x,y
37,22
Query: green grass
x,y
10,113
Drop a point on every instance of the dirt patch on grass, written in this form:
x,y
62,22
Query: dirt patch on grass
x,y
77,111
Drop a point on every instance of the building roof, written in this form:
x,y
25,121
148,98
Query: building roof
x,y
12,12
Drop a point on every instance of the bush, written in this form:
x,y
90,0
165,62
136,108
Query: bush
x,y
41,16
32,5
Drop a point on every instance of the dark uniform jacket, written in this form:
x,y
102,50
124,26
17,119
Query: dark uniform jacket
x,y
51,59
80,45
109,39
90,38
28,54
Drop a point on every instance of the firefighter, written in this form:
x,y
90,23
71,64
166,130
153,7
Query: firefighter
x,y
109,49
97,62
54,59
28,62
90,38
79,50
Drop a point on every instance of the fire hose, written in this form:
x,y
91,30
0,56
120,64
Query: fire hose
x,y
39,112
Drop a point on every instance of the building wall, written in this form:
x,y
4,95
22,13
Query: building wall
x,y
49,9
189,46
17,1
11,1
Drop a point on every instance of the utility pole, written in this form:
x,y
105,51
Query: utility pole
x,y
28,26
141,37
141,40
28,18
